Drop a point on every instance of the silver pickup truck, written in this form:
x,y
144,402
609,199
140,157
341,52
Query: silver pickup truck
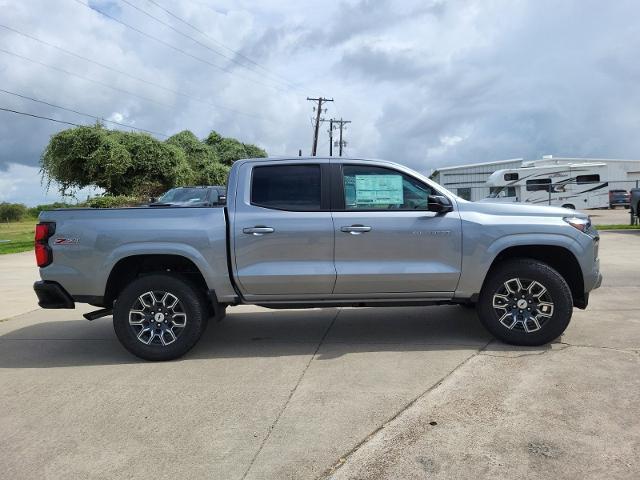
x,y
317,232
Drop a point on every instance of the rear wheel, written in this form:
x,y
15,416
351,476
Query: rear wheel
x,y
569,206
525,302
159,317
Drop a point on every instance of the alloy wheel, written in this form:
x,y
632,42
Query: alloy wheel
x,y
523,304
157,318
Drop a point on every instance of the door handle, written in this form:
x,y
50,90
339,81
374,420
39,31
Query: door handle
x,y
355,229
258,230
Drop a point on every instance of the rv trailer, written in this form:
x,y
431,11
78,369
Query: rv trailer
x,y
569,185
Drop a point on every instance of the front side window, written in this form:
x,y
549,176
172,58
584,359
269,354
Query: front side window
x,y
376,188
286,187
538,184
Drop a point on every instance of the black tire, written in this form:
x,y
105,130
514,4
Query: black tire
x,y
569,206
190,302
545,322
220,313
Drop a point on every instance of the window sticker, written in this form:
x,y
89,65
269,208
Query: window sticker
x,y
379,190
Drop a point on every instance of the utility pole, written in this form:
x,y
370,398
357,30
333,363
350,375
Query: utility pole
x,y
318,110
331,137
341,124
331,128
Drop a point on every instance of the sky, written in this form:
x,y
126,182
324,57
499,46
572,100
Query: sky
x,y
425,83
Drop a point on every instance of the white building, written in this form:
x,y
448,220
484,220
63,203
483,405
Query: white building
x,y
469,181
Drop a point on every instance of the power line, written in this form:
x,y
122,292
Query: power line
x,y
121,72
320,101
39,116
221,45
82,113
118,89
195,40
88,79
173,47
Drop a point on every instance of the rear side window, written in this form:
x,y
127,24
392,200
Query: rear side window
x,y
580,179
538,184
286,187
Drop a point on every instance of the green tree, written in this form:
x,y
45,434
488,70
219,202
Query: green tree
x,y
229,149
136,164
12,212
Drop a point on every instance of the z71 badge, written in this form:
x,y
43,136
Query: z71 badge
x,y
66,241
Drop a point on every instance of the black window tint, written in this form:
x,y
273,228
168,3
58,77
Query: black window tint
x,y
375,188
286,187
587,179
510,176
538,184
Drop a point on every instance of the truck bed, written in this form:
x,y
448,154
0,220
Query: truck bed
x,y
88,243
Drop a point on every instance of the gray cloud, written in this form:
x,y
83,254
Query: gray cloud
x,y
425,83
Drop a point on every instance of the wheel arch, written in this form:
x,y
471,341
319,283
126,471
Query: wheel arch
x,y
130,267
558,257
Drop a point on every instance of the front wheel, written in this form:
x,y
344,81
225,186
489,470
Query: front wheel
x,y
525,302
159,317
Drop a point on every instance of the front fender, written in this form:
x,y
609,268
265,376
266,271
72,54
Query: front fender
x,y
479,255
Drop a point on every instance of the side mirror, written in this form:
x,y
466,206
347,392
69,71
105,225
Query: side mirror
x,y
439,204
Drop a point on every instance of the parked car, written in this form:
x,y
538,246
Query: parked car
x,y
318,232
634,201
200,196
619,198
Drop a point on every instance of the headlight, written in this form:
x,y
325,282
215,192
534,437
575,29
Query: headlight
x,y
582,224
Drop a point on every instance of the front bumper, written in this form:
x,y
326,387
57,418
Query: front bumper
x,y
52,295
598,281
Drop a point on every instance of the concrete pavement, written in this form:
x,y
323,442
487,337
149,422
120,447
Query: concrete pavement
x,y
18,271
569,410
287,394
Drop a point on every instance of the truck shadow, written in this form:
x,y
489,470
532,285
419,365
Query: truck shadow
x,y
326,333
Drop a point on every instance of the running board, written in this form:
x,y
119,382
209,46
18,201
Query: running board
x,y
104,312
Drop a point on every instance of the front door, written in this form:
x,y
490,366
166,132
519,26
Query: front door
x,y
283,231
385,239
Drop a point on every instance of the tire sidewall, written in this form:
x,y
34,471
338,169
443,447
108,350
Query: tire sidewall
x,y
192,302
534,270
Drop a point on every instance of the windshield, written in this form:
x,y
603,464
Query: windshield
x,y
184,195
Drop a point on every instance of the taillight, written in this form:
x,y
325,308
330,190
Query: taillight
x,y
44,230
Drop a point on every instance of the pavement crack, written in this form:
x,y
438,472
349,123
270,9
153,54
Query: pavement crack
x,y
601,347
331,470
291,393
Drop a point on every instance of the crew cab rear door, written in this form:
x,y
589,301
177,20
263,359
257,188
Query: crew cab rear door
x,y
386,241
282,229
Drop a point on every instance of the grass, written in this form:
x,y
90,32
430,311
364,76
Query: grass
x,y
20,236
617,227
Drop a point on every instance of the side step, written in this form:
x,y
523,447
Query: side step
x,y
104,312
